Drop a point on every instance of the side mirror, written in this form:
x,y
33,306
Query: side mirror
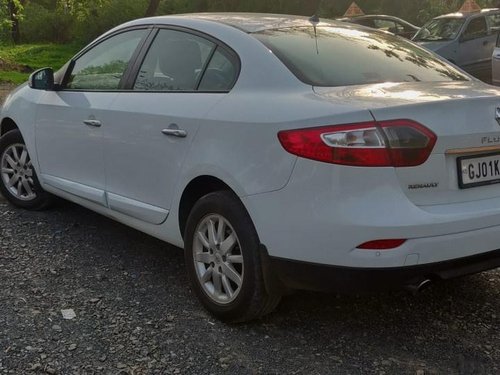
x,y
42,79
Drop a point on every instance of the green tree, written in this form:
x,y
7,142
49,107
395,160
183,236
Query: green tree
x,y
11,14
63,21
152,8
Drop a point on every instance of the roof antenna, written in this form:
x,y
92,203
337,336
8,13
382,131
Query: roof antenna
x,y
315,21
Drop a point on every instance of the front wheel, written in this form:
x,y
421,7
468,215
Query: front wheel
x,y
18,181
223,259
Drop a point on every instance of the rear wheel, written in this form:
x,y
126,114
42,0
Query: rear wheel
x,y
18,181
223,259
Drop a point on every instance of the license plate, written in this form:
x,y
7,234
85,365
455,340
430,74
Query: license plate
x,y
478,170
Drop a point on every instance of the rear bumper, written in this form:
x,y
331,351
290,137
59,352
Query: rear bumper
x,y
318,277
326,211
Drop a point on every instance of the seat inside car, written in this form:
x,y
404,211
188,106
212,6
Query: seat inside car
x,y
180,60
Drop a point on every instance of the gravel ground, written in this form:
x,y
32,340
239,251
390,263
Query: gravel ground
x,y
4,90
135,313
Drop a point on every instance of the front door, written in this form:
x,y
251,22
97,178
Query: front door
x,y
496,64
69,122
475,48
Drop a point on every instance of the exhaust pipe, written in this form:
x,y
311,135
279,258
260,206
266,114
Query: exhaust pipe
x,y
416,288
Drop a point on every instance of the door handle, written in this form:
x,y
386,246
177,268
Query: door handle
x,y
94,123
175,133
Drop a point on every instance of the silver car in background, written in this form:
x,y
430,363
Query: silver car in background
x,y
495,64
465,39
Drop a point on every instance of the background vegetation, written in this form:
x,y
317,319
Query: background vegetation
x,y
38,33
63,21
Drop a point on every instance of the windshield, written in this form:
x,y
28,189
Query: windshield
x,y
344,56
440,29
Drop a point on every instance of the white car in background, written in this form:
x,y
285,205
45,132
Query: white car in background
x,y
280,152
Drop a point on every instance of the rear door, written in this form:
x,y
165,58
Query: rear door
x,y
183,76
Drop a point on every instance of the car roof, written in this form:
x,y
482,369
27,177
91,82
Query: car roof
x,y
470,14
376,16
247,22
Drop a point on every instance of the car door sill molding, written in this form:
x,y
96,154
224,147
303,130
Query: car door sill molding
x,y
139,210
87,192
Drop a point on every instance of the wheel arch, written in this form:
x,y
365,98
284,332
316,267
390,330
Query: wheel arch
x,y
194,190
7,125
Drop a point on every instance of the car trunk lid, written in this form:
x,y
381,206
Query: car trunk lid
x,y
461,114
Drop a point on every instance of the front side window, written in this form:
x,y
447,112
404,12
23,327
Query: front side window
x,y
342,56
476,29
174,62
103,66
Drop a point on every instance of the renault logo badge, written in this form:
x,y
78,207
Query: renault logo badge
x,y
497,115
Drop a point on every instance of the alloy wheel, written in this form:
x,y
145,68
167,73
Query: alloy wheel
x,y
218,259
17,172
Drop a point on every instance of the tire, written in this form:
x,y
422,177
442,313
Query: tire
x,y
19,183
221,264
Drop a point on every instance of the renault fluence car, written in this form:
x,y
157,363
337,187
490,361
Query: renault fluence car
x,y
280,152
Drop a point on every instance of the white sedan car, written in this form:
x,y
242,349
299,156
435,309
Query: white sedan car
x,y
280,152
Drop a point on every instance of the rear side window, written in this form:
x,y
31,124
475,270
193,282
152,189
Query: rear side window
x,y
181,61
343,56
174,62
221,72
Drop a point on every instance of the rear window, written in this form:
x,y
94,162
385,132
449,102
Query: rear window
x,y
344,56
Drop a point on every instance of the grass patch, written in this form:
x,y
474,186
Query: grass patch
x,y
13,77
16,62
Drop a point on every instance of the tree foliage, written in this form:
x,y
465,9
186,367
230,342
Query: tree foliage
x,y
64,21
11,13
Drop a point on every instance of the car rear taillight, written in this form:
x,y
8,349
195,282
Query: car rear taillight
x,y
394,143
